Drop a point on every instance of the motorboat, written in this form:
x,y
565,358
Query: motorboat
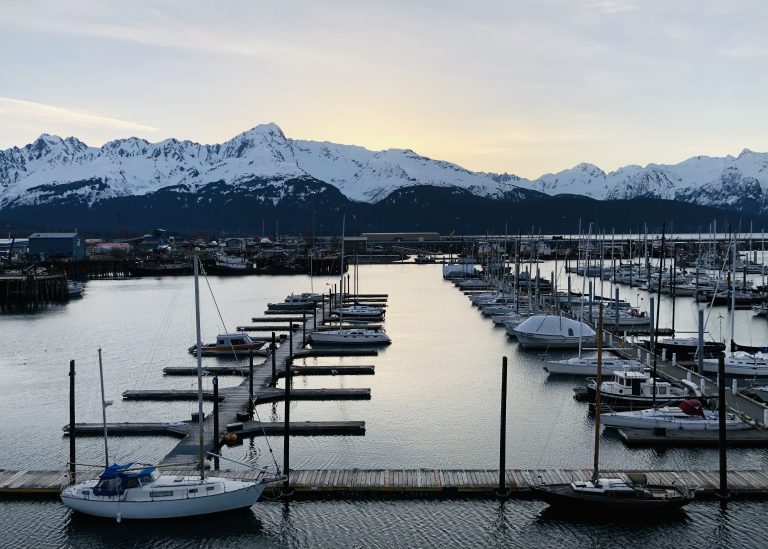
x,y
226,265
588,366
635,494
75,289
553,332
233,344
688,415
633,388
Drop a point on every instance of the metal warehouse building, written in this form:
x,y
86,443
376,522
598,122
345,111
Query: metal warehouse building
x,y
56,245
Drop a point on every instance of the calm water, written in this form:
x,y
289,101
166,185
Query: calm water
x,y
435,403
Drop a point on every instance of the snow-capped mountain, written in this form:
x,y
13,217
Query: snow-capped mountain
x,y
262,163
731,182
68,169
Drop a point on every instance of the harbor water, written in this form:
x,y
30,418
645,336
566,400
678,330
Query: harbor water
x,y
435,404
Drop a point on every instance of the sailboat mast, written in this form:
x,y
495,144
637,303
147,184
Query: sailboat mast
x,y
341,277
199,349
733,292
658,309
103,410
598,381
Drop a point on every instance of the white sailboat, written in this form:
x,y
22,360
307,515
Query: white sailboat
x,y
138,491
686,416
354,336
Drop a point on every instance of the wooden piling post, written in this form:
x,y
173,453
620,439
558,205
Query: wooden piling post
x,y
502,491
287,492
303,327
72,433
250,378
272,351
216,438
722,494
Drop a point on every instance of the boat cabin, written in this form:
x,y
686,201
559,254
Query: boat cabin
x,y
237,338
117,478
635,383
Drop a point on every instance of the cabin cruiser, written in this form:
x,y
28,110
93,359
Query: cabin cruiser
x,y
633,387
689,415
228,345
553,331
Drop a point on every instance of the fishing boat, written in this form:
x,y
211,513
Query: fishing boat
x,y
630,493
230,265
635,388
688,415
138,491
229,345
553,332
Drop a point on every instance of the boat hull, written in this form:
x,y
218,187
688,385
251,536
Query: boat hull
x,y
563,496
166,509
334,338
528,341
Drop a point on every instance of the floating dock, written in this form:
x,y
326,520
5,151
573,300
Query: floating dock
x,y
334,370
747,438
278,395
415,483
249,429
167,394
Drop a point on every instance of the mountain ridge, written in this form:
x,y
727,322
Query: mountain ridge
x,y
67,172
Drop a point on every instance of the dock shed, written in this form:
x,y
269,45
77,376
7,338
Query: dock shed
x,y
57,245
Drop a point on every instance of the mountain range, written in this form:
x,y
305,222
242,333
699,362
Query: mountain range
x,y
260,176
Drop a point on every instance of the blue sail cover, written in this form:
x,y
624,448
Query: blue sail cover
x,y
116,478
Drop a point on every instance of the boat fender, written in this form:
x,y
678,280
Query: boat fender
x,y
691,386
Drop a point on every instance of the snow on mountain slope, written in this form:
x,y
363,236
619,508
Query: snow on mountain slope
x,y
52,168
134,166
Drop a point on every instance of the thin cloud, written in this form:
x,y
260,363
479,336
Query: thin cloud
x,y
20,108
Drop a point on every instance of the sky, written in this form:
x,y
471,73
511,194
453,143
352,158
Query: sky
x,y
526,87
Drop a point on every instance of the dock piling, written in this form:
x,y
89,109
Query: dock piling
x,y
250,379
215,382
502,491
722,494
286,490
272,350
72,437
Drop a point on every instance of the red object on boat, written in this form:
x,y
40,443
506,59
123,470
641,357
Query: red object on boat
x,y
692,407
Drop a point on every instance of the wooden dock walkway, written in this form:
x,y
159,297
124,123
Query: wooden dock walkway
x,y
333,370
416,483
278,395
249,429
